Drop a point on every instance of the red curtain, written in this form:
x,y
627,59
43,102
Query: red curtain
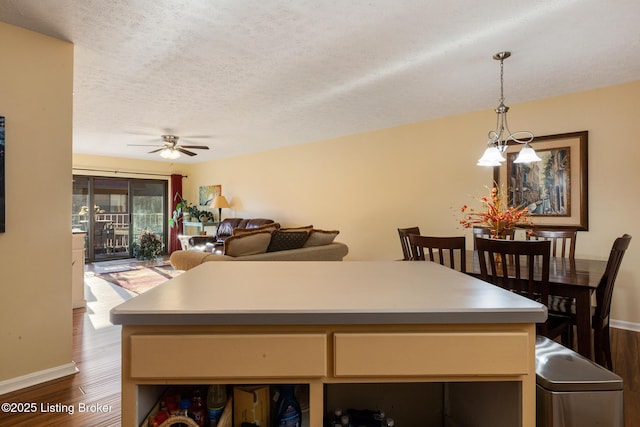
x,y
175,187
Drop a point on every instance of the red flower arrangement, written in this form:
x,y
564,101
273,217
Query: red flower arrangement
x,y
495,215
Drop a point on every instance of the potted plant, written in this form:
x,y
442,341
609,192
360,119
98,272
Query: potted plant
x,y
205,216
183,210
148,245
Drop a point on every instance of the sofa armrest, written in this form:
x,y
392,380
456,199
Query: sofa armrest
x,y
186,260
201,240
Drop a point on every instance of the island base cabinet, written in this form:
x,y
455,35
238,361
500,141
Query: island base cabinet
x,y
340,366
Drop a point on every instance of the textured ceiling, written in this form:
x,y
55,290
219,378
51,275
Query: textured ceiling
x,y
250,75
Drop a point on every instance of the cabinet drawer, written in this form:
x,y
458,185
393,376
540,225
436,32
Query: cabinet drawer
x,y
227,356
411,354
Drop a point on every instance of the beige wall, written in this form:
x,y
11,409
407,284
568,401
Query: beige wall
x,y
85,164
36,83
367,185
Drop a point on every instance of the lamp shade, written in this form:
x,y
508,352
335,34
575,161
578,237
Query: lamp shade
x,y
220,202
491,157
527,155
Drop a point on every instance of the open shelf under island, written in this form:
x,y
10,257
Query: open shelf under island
x,y
437,335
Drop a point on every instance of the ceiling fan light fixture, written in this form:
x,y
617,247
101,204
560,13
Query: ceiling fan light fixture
x,y
169,153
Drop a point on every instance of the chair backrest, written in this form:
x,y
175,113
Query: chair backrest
x,y
513,265
439,249
563,240
604,291
485,232
404,240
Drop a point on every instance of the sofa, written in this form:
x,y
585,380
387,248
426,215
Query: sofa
x,y
261,240
225,230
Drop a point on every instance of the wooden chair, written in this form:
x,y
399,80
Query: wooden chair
x,y
404,240
563,240
601,311
502,263
485,232
604,292
439,249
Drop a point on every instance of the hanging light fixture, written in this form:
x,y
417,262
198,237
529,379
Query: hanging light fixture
x,y
500,137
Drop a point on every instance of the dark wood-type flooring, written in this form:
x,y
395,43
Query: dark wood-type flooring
x,y
96,352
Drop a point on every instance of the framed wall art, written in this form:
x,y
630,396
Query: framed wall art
x,y
2,178
555,189
207,193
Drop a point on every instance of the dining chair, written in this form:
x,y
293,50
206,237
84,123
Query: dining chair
x,y
443,250
404,240
601,311
563,240
485,232
511,265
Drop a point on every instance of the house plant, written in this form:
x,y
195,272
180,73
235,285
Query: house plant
x,y
148,245
183,210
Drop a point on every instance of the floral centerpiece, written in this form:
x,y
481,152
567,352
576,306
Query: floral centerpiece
x,y
494,214
148,245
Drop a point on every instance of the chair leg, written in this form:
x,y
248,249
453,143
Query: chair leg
x,y
567,337
606,347
597,347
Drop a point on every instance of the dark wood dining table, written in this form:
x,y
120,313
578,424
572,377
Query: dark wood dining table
x,y
577,279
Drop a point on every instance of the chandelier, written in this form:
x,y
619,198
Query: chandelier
x,y
500,137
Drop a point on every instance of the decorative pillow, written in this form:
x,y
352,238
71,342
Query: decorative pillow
x,y
321,237
266,227
247,243
306,227
286,240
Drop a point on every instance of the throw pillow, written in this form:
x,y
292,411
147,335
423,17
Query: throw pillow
x,y
321,237
247,244
304,228
286,240
267,227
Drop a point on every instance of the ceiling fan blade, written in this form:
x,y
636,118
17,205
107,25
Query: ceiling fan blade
x,y
143,145
197,147
157,150
187,152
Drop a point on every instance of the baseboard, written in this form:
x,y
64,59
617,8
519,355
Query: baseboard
x,y
621,324
35,378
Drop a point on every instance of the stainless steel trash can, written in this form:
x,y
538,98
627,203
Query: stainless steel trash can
x,y
573,391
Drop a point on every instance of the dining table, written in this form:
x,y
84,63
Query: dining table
x,y
571,278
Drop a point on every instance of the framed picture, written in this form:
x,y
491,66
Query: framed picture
x,y
2,189
207,193
556,189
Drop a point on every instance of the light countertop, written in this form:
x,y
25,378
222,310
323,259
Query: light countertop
x,y
316,293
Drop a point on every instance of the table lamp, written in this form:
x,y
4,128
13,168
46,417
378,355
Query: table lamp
x,y
220,202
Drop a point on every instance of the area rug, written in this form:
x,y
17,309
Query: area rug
x,y
140,280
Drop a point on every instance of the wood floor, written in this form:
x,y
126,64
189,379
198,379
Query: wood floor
x,y
96,351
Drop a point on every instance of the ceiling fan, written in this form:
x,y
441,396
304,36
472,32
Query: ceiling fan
x,y
170,149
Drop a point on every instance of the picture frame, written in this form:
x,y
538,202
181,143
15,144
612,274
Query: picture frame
x,y
556,190
2,177
207,193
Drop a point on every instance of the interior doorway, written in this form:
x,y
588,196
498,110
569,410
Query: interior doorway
x,y
113,211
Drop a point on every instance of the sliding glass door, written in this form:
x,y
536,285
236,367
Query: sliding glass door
x,y
114,210
149,208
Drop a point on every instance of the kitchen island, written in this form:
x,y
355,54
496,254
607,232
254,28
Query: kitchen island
x,y
327,325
